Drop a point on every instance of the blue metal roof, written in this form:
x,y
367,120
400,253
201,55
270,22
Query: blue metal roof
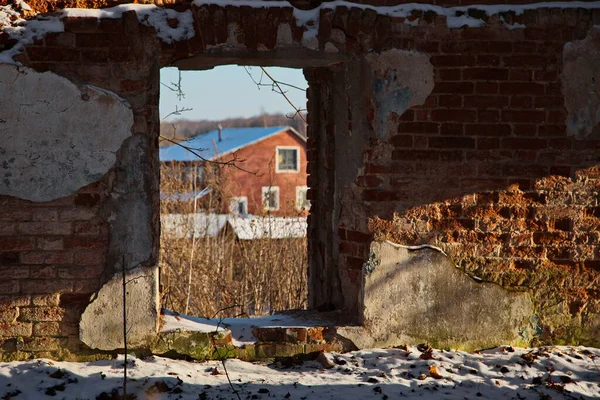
x,y
204,144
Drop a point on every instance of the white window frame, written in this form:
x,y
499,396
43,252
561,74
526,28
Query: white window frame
x,y
235,201
300,207
267,189
283,171
193,172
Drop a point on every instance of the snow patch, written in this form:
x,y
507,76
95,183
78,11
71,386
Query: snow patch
x,y
241,328
414,372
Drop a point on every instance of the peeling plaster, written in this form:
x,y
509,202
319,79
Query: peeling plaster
x,y
581,84
57,137
403,79
416,294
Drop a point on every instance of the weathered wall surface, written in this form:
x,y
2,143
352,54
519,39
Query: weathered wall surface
x,y
96,177
472,147
416,294
56,158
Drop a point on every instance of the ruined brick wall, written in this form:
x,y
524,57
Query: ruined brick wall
x,y
490,169
463,138
54,256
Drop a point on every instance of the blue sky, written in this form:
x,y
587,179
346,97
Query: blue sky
x,y
228,91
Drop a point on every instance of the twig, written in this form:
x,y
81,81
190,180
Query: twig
x,y
276,87
124,330
231,162
222,358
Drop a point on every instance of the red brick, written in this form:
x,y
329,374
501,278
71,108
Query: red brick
x,y
14,301
529,60
45,228
549,101
488,130
526,171
39,314
486,74
516,74
486,101
14,272
418,127
49,243
15,329
47,257
87,228
14,214
8,228
58,54
521,102
453,115
457,142
453,61
528,88
486,88
452,129
526,117
89,257
35,286
87,272
522,143
46,329
368,181
8,314
85,243
448,74
44,214
8,243
450,101
454,87
402,140
9,286
46,300
43,271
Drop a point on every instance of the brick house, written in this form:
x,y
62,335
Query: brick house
x,y
269,175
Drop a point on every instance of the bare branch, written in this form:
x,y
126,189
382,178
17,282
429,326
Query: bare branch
x,y
232,162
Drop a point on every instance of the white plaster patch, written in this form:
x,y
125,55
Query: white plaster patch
x,y
581,84
403,79
57,137
101,325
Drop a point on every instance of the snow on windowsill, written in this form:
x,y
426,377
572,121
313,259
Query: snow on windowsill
x,y
241,328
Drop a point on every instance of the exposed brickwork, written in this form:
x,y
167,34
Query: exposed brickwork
x,y
41,266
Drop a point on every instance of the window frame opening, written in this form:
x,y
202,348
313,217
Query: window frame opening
x,y
278,168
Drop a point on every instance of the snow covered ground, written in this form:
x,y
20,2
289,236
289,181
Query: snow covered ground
x,y
414,372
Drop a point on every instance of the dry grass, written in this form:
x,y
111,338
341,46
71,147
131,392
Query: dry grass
x,y
202,274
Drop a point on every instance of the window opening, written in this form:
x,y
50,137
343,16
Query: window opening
x,y
233,195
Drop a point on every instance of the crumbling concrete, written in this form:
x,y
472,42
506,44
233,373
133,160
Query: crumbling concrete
x,y
101,325
581,84
57,156
417,295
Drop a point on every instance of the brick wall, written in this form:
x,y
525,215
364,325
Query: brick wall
x,y
52,258
484,168
55,255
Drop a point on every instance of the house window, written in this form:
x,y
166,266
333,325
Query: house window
x,y
302,202
239,206
193,173
270,197
288,159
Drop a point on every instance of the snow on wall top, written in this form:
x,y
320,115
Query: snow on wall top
x,y
25,32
